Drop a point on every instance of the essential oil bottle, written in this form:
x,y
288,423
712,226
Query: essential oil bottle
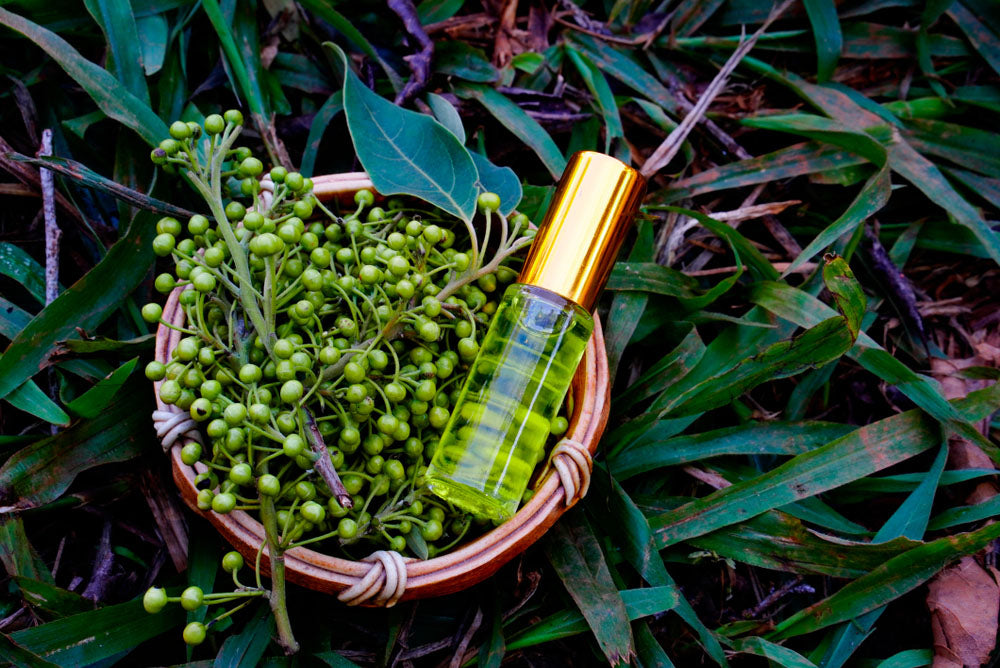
x,y
499,425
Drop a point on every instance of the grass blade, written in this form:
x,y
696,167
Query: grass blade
x,y
91,179
118,23
84,305
826,31
333,106
42,471
886,582
862,452
982,38
107,92
574,552
519,122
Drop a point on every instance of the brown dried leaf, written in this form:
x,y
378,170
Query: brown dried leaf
x,y
964,601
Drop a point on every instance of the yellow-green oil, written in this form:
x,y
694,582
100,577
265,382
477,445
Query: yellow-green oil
x,y
500,423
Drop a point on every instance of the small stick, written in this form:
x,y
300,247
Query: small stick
x,y
419,62
52,232
323,463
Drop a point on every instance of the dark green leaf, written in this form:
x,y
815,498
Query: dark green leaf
x,y
519,122
31,399
627,306
500,180
886,582
91,179
250,88
639,603
153,36
15,263
575,553
335,660
85,304
90,637
458,59
139,344
447,115
51,599
766,438
18,556
407,152
245,649
862,452
118,23
20,657
333,106
97,399
979,34
41,472
826,31
782,656
111,96
617,63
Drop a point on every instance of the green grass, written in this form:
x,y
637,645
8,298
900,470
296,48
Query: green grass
x,y
775,425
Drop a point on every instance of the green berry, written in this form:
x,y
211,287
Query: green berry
x,y
364,198
233,116
223,503
294,181
154,600
488,201
235,211
152,312
269,485
163,244
194,633
232,561
347,528
214,124
192,598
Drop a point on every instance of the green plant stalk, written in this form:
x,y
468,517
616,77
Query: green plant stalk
x,y
213,197
279,605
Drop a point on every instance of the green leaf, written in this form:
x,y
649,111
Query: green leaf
x,y
84,305
500,180
118,23
90,637
250,88
764,438
627,306
518,122
447,115
796,160
805,310
407,152
574,552
782,656
91,179
595,82
872,197
433,11
826,31
909,520
17,554
102,344
886,582
911,658
345,27
15,263
639,603
664,372
153,35
458,59
31,399
862,452
20,657
982,38
335,660
42,471
111,96
333,106
51,599
97,399
245,649
617,62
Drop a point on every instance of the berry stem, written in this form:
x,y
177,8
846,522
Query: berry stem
x,y
278,600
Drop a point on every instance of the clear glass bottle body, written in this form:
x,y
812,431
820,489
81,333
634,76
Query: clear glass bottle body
x,y
500,423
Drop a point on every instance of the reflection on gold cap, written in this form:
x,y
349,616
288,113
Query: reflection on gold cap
x,y
578,240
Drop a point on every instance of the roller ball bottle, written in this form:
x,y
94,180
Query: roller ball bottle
x,y
527,359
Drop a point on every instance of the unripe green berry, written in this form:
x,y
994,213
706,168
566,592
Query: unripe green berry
x,y
233,116
192,598
214,124
195,633
154,600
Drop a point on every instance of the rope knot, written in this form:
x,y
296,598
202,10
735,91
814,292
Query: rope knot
x,y
171,425
572,461
384,582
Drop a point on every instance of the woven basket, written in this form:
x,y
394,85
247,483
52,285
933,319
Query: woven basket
x,y
450,572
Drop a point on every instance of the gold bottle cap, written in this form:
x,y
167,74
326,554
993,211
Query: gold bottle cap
x,y
578,241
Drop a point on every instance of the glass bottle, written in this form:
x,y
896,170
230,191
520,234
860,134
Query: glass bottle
x,y
526,361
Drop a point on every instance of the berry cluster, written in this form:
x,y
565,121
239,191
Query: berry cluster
x,y
322,352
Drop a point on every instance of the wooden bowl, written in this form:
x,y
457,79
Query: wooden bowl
x,y
451,572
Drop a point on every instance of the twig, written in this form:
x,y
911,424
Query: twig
x,y
323,464
102,566
668,149
459,655
52,232
419,62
